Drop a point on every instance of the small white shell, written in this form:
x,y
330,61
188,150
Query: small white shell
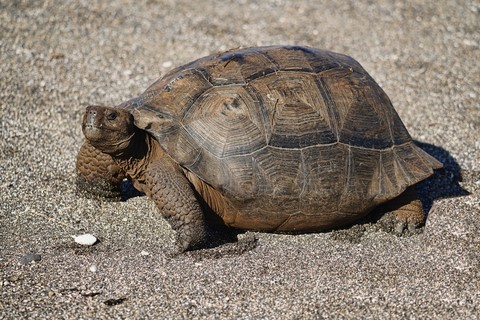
x,y
167,64
85,239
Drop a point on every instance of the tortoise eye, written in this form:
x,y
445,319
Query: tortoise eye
x,y
112,116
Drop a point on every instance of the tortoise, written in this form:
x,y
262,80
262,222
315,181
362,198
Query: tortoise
x,y
274,139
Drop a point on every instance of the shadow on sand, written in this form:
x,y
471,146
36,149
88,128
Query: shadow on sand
x,y
444,183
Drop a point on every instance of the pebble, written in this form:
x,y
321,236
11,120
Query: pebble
x,y
30,257
85,239
167,64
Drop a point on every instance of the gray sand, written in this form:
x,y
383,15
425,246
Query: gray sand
x,y
58,56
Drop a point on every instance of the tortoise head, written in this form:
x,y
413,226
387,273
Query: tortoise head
x,y
108,129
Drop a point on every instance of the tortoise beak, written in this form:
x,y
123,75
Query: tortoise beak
x,y
92,122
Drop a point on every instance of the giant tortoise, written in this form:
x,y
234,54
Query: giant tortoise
x,y
276,139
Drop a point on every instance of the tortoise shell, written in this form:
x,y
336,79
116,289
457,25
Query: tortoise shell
x,y
293,138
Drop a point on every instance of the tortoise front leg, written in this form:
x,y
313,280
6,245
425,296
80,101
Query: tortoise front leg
x,y
174,197
97,172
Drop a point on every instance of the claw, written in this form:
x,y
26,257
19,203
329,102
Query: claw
x,y
400,226
406,226
412,227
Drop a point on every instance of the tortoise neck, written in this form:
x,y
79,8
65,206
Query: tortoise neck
x,y
142,151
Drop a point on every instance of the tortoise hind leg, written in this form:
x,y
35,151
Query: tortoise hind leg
x,y
97,173
408,210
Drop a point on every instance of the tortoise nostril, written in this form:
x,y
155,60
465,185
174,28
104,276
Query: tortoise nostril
x,y
90,117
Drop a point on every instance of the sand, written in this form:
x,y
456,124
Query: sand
x,y
59,56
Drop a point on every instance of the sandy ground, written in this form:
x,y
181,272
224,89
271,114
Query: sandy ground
x,y
58,56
